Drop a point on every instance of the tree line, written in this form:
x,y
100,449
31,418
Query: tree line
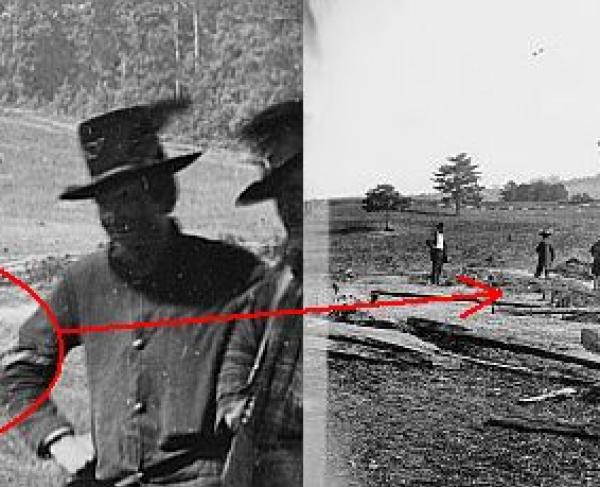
x,y
535,191
78,57
458,183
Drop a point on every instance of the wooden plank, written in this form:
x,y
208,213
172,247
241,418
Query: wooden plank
x,y
430,329
408,294
393,338
405,355
364,357
557,311
551,376
529,424
563,393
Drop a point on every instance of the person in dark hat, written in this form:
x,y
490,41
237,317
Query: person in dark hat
x,y
545,253
259,391
152,390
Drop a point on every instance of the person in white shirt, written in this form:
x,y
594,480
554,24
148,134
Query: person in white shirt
x,y
437,252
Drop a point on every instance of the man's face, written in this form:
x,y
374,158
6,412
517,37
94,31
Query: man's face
x,y
129,215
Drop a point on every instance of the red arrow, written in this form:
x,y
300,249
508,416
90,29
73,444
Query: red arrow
x,y
485,297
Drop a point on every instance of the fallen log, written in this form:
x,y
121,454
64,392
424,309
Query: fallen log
x,y
528,424
430,329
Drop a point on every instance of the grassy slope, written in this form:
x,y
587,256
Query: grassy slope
x,y
38,161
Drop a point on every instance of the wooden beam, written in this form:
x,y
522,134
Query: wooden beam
x,y
352,356
529,424
430,329
407,355
565,392
516,369
558,311
408,294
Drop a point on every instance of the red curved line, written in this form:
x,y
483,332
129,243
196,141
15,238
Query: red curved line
x,y
45,395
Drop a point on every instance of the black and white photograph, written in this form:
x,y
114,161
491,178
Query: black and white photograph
x,y
151,184
453,177
162,239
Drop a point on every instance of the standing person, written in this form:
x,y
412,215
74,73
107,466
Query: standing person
x,y
270,408
545,253
595,251
152,390
437,253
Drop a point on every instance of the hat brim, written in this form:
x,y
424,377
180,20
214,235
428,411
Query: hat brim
x,y
269,186
86,191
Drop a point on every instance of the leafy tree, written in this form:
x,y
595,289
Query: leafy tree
x,y
386,199
459,181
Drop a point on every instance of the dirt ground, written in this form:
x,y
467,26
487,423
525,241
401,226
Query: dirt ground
x,y
392,424
398,425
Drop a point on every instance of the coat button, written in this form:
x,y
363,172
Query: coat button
x,y
138,344
139,407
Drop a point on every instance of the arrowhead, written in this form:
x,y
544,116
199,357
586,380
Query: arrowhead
x,y
488,294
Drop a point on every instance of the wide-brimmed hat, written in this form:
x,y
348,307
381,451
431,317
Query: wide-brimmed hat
x,y
545,232
275,125
124,142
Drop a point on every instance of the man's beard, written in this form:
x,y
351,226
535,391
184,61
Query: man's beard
x,y
137,253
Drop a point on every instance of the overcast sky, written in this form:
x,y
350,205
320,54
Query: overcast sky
x,y
396,86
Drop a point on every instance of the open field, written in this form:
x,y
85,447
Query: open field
x,y
40,235
394,424
496,238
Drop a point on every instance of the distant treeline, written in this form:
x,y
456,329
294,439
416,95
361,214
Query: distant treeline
x,y
79,57
535,191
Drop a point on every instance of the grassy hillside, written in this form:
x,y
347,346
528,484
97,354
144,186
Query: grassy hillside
x,y
40,158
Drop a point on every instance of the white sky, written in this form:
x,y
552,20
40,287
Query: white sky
x,y
398,85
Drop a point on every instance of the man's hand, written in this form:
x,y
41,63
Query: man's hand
x,y
72,452
239,413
